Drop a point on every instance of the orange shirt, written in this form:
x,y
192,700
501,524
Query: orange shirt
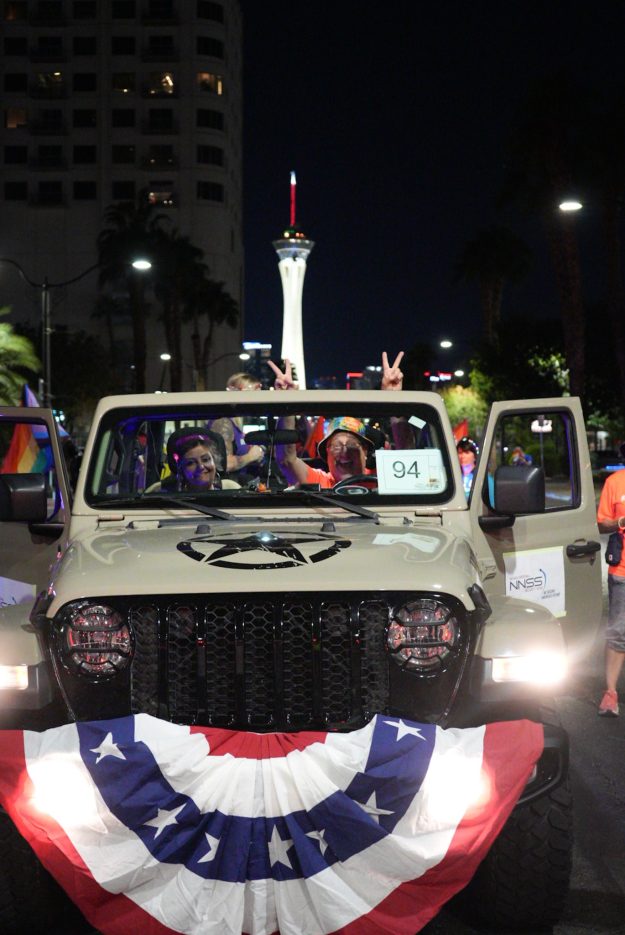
x,y
325,479
611,506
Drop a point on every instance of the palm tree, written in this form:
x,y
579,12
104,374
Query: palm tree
x,y
132,231
494,256
544,151
208,300
17,355
179,272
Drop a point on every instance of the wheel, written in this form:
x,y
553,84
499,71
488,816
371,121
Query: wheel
x,y
361,483
523,882
30,899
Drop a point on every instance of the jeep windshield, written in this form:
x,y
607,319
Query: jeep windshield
x,y
246,452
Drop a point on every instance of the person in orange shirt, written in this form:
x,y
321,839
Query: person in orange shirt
x,y
345,445
611,518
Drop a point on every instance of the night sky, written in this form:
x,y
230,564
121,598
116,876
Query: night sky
x,y
395,117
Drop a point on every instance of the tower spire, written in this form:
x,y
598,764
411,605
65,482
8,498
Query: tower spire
x,y
293,250
293,194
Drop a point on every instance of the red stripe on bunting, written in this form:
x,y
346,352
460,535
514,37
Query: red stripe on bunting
x,y
256,746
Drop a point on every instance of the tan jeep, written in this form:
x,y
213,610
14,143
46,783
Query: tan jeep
x,y
273,601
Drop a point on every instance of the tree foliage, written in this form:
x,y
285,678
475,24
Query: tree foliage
x,y
465,402
18,362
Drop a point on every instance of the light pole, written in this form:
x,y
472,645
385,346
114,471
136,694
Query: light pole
x,y
46,325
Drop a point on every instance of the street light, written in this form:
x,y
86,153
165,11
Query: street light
x,y
570,205
46,329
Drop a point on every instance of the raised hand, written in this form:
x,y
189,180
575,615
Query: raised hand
x,y
284,380
392,377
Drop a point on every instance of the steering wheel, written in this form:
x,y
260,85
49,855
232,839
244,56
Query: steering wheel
x,y
357,483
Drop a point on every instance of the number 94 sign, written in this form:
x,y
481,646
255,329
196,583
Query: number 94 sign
x,y
410,471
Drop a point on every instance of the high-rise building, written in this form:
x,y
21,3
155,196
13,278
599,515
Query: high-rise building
x,y
102,99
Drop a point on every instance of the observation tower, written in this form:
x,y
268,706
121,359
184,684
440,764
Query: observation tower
x,y
293,249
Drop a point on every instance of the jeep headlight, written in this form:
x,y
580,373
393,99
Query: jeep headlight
x,y
95,639
539,668
422,634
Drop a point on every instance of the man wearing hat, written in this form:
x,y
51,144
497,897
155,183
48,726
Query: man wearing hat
x,y
345,445
344,448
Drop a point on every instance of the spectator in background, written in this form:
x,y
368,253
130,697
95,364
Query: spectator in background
x,y
242,460
467,455
611,518
519,458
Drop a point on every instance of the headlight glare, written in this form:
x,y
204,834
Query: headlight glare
x,y
537,668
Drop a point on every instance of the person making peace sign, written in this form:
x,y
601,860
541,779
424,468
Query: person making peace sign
x,y
345,445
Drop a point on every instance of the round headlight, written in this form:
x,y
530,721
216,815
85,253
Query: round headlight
x,y
96,639
422,634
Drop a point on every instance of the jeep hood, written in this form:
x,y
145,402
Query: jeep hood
x,y
277,557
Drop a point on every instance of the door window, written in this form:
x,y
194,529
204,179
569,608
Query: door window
x,y
25,448
546,440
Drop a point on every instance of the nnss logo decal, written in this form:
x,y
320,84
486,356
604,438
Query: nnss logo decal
x,y
263,550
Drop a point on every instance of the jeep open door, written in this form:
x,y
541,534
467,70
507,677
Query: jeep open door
x,y
543,547
34,520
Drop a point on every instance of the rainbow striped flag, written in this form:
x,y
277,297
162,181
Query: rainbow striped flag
x,y
29,451
25,455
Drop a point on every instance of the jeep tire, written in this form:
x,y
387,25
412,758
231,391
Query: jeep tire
x,y
30,899
523,882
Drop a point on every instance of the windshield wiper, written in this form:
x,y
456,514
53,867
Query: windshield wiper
x,y
335,501
170,501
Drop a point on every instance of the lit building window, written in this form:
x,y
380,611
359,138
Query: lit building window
x,y
207,81
161,83
161,193
123,82
15,117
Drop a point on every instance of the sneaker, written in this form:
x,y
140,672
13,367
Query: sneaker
x,y
609,705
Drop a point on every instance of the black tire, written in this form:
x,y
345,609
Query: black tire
x,y
31,902
523,882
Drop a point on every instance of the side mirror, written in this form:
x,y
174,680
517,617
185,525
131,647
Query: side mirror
x,y
23,498
519,489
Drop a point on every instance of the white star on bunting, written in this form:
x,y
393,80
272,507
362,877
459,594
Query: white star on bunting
x,y
371,808
108,747
163,819
213,844
278,849
405,730
318,836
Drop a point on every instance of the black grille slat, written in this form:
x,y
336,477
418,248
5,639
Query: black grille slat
x,y
264,661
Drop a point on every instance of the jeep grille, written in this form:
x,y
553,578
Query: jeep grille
x,y
265,662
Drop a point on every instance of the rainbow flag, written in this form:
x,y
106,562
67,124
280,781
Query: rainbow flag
x,y
25,455
29,451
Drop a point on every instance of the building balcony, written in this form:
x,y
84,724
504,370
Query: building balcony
x,y
47,55
150,162
46,128
47,163
158,129
149,19
47,94
47,201
43,20
155,94
160,55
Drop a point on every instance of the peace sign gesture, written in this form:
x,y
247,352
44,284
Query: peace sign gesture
x,y
283,381
392,377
